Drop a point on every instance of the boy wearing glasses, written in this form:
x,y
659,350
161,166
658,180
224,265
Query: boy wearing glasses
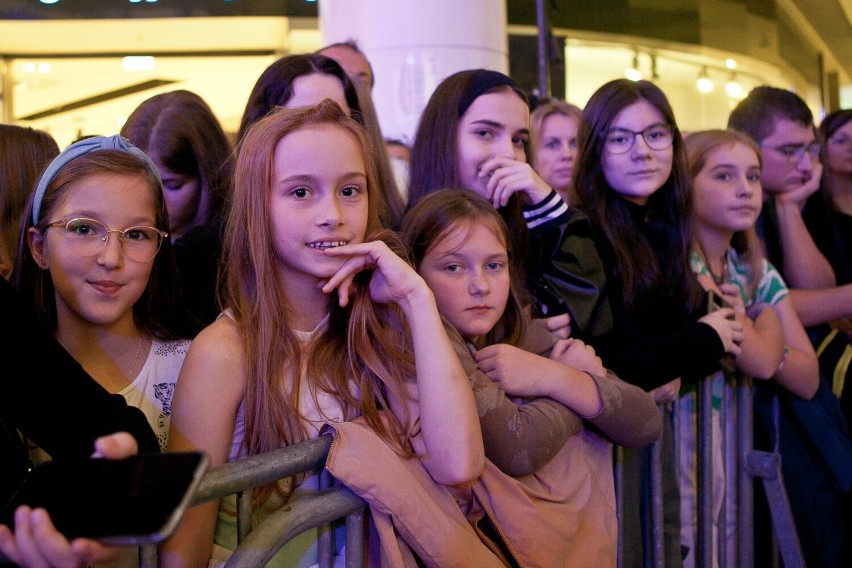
x,y
812,434
782,125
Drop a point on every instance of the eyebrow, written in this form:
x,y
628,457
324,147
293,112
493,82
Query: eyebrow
x,y
728,166
88,214
659,123
313,178
488,122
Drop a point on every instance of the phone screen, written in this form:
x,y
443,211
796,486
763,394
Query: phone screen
x,y
137,500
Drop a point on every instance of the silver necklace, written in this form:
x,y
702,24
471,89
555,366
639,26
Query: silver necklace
x,y
135,358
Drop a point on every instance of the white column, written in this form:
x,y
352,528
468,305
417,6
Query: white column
x,y
413,45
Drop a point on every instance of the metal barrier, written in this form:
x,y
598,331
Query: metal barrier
x,y
257,545
742,464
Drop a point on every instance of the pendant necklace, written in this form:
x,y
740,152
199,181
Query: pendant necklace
x,y
135,358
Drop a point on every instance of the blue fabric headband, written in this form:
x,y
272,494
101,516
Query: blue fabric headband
x,y
77,149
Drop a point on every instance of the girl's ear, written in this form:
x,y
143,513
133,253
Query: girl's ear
x,y
35,241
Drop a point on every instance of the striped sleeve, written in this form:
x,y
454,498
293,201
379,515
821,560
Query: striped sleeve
x,y
552,207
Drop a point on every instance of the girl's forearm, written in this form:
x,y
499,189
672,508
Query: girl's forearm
x,y
762,346
449,419
799,373
575,389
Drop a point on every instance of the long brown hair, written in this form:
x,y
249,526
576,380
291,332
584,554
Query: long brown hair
x,y
431,220
435,151
642,265
699,146
26,152
365,345
181,128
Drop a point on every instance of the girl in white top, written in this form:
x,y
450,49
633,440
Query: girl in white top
x,y
299,259
96,261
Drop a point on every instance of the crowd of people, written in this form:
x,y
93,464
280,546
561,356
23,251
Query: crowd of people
x,y
488,312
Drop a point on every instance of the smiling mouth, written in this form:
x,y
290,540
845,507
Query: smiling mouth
x,y
327,244
105,287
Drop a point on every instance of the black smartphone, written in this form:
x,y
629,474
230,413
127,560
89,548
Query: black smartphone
x,y
137,500
549,301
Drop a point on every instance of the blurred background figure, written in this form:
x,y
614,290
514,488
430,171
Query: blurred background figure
x,y
836,130
25,153
184,139
309,78
399,153
554,125
349,55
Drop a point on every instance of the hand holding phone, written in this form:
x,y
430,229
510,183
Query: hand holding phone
x,y
716,302
136,500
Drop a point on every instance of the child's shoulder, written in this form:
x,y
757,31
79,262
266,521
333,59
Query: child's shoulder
x,y
222,336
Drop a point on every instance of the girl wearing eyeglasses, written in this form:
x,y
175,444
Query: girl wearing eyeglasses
x,y
632,181
97,262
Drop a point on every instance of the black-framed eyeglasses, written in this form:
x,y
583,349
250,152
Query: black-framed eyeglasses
x,y
657,137
87,237
794,152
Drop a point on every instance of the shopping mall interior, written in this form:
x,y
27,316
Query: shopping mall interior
x,y
79,67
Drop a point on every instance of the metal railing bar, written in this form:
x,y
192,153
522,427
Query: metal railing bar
x,y
266,539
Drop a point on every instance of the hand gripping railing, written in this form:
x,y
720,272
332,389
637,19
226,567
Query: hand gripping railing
x,y
256,546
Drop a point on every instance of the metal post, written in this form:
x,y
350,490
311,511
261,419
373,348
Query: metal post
x,y
704,451
543,51
657,529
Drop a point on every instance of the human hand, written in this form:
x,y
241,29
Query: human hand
x,y
115,446
575,353
393,280
799,195
559,326
514,370
729,330
667,392
37,544
731,294
509,176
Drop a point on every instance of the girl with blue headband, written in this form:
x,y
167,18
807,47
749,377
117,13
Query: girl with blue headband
x,y
96,261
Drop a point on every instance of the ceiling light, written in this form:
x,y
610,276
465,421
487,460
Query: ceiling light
x,y
704,84
730,64
138,63
633,72
733,88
